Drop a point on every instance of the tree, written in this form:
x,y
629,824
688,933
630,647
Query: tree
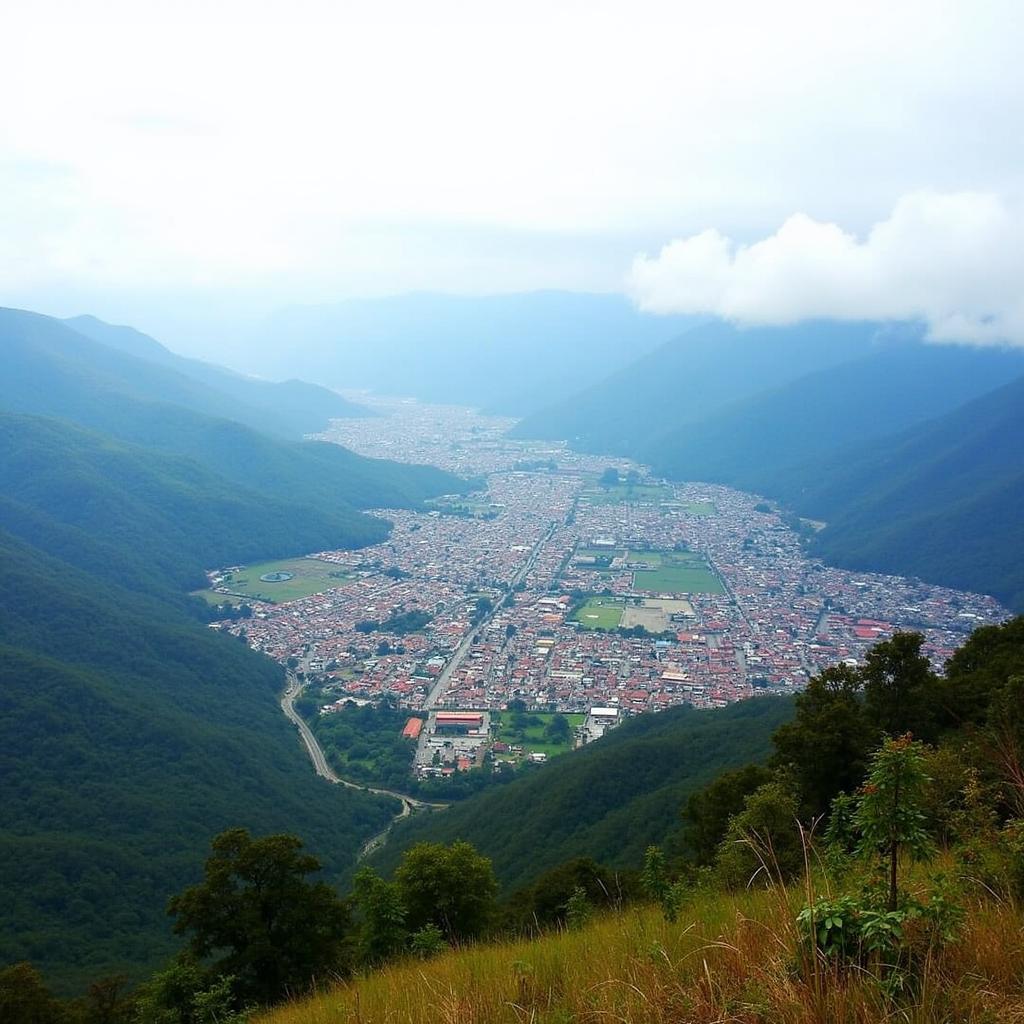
x,y
609,478
890,815
452,887
25,999
763,840
261,919
381,917
827,743
558,730
900,688
708,811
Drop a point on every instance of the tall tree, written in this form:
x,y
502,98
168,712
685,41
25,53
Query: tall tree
x,y
452,887
707,812
900,689
261,919
827,743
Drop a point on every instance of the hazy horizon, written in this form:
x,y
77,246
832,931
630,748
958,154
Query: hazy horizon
x,y
191,171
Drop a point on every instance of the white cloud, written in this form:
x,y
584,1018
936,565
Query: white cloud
x,y
955,261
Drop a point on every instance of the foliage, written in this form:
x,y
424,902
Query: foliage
x,y
899,687
826,744
259,917
762,843
451,887
380,917
890,816
708,811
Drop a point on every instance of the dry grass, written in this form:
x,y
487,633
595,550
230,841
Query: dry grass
x,y
729,958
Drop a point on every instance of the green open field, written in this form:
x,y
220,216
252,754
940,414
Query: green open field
x,y
621,494
309,576
675,572
529,733
698,508
601,613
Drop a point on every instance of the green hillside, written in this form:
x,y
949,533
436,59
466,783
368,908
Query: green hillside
x,y
51,370
609,800
129,736
290,408
941,501
749,444
180,517
691,377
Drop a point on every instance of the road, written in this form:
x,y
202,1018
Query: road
x,y
441,683
410,804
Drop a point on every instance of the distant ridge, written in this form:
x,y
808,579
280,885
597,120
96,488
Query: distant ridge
x,y
291,408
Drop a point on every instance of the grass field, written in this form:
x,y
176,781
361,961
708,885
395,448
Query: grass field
x,y
531,736
646,494
699,508
309,576
728,958
675,572
600,613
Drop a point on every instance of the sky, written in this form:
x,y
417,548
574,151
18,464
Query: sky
x,y
190,167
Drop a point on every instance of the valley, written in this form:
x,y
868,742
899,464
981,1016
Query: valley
x,y
562,593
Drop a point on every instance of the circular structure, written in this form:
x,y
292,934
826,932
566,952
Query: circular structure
x,y
277,577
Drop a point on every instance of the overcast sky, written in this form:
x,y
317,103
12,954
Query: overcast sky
x,y
175,163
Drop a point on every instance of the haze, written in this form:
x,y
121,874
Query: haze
x,y
190,168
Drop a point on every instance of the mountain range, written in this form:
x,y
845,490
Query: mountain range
x,y
510,354
130,733
908,451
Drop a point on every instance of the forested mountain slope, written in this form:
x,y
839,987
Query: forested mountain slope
x,y
178,516
129,736
941,501
290,408
51,370
748,444
609,800
693,376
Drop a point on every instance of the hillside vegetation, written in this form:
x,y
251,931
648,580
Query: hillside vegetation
x,y
130,734
53,371
291,408
608,801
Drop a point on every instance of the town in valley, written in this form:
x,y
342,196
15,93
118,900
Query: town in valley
x,y
571,589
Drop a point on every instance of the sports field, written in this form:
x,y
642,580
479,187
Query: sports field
x,y
529,731
674,572
621,494
601,613
306,576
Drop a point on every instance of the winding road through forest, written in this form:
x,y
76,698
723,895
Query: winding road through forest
x,y
410,804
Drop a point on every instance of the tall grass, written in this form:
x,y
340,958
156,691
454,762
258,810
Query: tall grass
x,y
734,958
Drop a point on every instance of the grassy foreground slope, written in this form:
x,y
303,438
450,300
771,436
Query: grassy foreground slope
x,y
729,958
609,800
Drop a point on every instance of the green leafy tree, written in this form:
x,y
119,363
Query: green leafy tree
x,y
25,999
707,812
826,745
260,918
452,887
900,689
381,917
609,478
763,841
890,815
